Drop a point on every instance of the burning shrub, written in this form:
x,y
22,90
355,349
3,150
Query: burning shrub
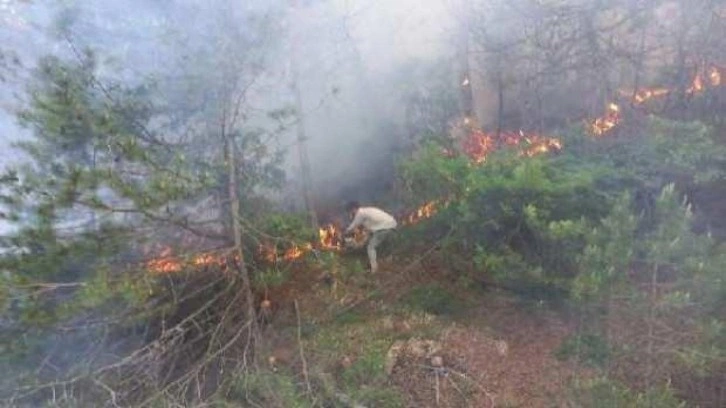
x,y
529,216
606,219
510,207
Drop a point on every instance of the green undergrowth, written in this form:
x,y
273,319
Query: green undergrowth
x,y
363,339
433,298
605,393
589,349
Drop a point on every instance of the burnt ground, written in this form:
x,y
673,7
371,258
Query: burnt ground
x,y
488,352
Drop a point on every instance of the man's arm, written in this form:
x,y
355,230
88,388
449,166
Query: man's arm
x,y
357,220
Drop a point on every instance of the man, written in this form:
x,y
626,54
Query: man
x,y
374,220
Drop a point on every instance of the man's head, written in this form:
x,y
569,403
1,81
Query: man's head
x,y
352,207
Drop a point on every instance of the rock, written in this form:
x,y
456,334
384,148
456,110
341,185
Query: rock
x,y
502,347
346,362
272,363
414,348
402,326
437,361
422,348
392,356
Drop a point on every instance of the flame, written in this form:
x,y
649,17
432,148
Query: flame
x,y
329,237
540,145
166,262
709,76
477,145
696,85
268,253
644,95
427,210
296,251
604,124
714,76
271,253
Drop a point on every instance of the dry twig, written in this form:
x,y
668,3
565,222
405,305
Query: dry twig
x,y
302,353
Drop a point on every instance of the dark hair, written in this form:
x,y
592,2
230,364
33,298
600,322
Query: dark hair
x,y
352,206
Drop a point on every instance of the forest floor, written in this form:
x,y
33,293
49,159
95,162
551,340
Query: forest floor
x,y
416,336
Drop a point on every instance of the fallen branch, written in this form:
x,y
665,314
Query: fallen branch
x,y
302,353
111,392
348,401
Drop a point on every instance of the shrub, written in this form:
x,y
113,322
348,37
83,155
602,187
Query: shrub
x,y
590,349
432,299
604,393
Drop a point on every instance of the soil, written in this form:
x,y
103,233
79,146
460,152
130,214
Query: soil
x,y
496,354
504,358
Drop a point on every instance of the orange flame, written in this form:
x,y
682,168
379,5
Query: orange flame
x,y
271,253
296,252
166,262
714,76
477,145
704,77
604,124
426,211
329,237
644,95
696,85
539,145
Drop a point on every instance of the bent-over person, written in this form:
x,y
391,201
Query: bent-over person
x,y
376,222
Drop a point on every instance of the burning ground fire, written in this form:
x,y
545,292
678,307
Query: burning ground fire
x,y
703,79
607,122
330,238
476,145
166,262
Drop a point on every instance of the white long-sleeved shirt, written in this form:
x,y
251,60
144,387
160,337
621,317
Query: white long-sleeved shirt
x,y
372,219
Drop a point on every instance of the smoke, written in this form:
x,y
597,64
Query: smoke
x,y
351,57
353,91
354,62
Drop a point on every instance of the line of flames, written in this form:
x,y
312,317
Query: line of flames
x,y
704,78
166,262
477,145
330,238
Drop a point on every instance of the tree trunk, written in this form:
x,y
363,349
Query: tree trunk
x,y
237,232
301,139
500,106
466,94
